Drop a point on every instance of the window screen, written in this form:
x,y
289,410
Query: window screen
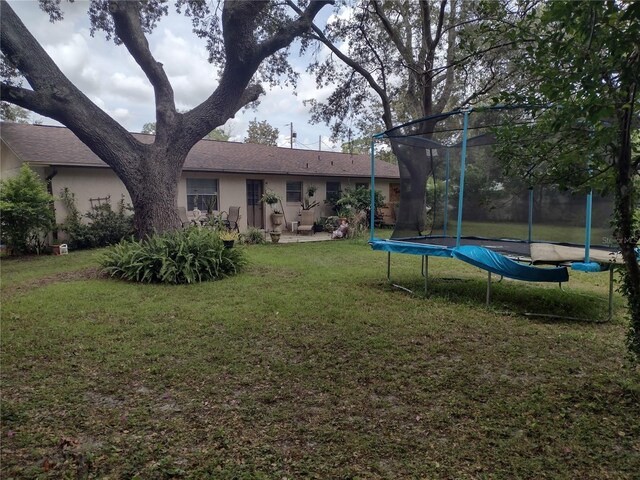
x,y
202,193
294,192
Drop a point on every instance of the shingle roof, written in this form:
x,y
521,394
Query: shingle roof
x,y
47,145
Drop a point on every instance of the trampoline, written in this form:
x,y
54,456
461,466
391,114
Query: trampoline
x,y
462,197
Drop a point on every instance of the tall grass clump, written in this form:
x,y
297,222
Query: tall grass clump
x,y
184,256
254,236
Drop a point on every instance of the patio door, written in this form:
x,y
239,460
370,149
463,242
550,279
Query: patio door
x,y
255,212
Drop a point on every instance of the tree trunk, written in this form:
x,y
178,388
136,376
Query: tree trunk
x,y
626,233
414,166
154,192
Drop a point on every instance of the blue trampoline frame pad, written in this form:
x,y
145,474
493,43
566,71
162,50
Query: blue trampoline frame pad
x,y
412,248
480,257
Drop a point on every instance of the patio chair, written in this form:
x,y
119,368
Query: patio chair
x,y
231,221
307,218
182,213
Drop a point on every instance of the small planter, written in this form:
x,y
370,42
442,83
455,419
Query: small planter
x,y
276,221
275,236
228,243
60,249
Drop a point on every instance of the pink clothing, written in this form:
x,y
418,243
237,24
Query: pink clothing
x,y
341,231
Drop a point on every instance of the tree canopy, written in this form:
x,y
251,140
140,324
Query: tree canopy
x,y
582,63
248,40
262,133
396,61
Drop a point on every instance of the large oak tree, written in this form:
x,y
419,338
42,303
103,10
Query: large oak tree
x,y
394,61
240,36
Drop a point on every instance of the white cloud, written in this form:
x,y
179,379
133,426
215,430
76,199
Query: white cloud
x,y
108,75
192,77
70,55
133,88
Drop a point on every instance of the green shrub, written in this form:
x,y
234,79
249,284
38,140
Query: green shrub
x,y
109,226
106,227
355,204
184,256
254,236
25,212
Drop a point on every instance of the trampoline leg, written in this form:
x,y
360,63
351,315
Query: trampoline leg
x,y
388,266
610,293
488,288
425,272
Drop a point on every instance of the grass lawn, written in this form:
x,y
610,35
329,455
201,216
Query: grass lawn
x,y
310,365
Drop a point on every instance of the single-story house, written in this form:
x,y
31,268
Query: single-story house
x,y
216,174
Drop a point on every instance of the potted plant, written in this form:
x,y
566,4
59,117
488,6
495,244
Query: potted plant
x,y
307,202
272,199
229,238
275,236
307,216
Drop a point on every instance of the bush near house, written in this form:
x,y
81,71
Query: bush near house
x,y
184,256
107,226
25,212
355,205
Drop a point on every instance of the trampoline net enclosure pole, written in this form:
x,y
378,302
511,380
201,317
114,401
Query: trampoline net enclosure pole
x,y
373,190
530,236
446,195
587,235
463,159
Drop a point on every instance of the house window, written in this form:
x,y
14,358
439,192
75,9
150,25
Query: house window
x,y
294,192
362,185
202,193
333,192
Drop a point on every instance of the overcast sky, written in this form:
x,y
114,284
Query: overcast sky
x,y
110,77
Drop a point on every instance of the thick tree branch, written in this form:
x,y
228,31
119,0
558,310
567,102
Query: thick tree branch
x,y
126,18
90,124
440,24
293,29
393,34
425,8
26,99
238,22
449,73
244,56
386,117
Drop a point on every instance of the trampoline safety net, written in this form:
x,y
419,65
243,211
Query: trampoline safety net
x,y
503,197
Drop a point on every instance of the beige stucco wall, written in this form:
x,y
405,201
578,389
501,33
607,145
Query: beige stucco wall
x,y
9,162
87,183
233,192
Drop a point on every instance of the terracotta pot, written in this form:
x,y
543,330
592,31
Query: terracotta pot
x,y
275,236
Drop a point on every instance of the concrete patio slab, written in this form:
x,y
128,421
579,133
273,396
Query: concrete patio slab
x,y
293,238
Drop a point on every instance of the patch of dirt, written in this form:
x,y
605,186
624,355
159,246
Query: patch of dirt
x,y
85,274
